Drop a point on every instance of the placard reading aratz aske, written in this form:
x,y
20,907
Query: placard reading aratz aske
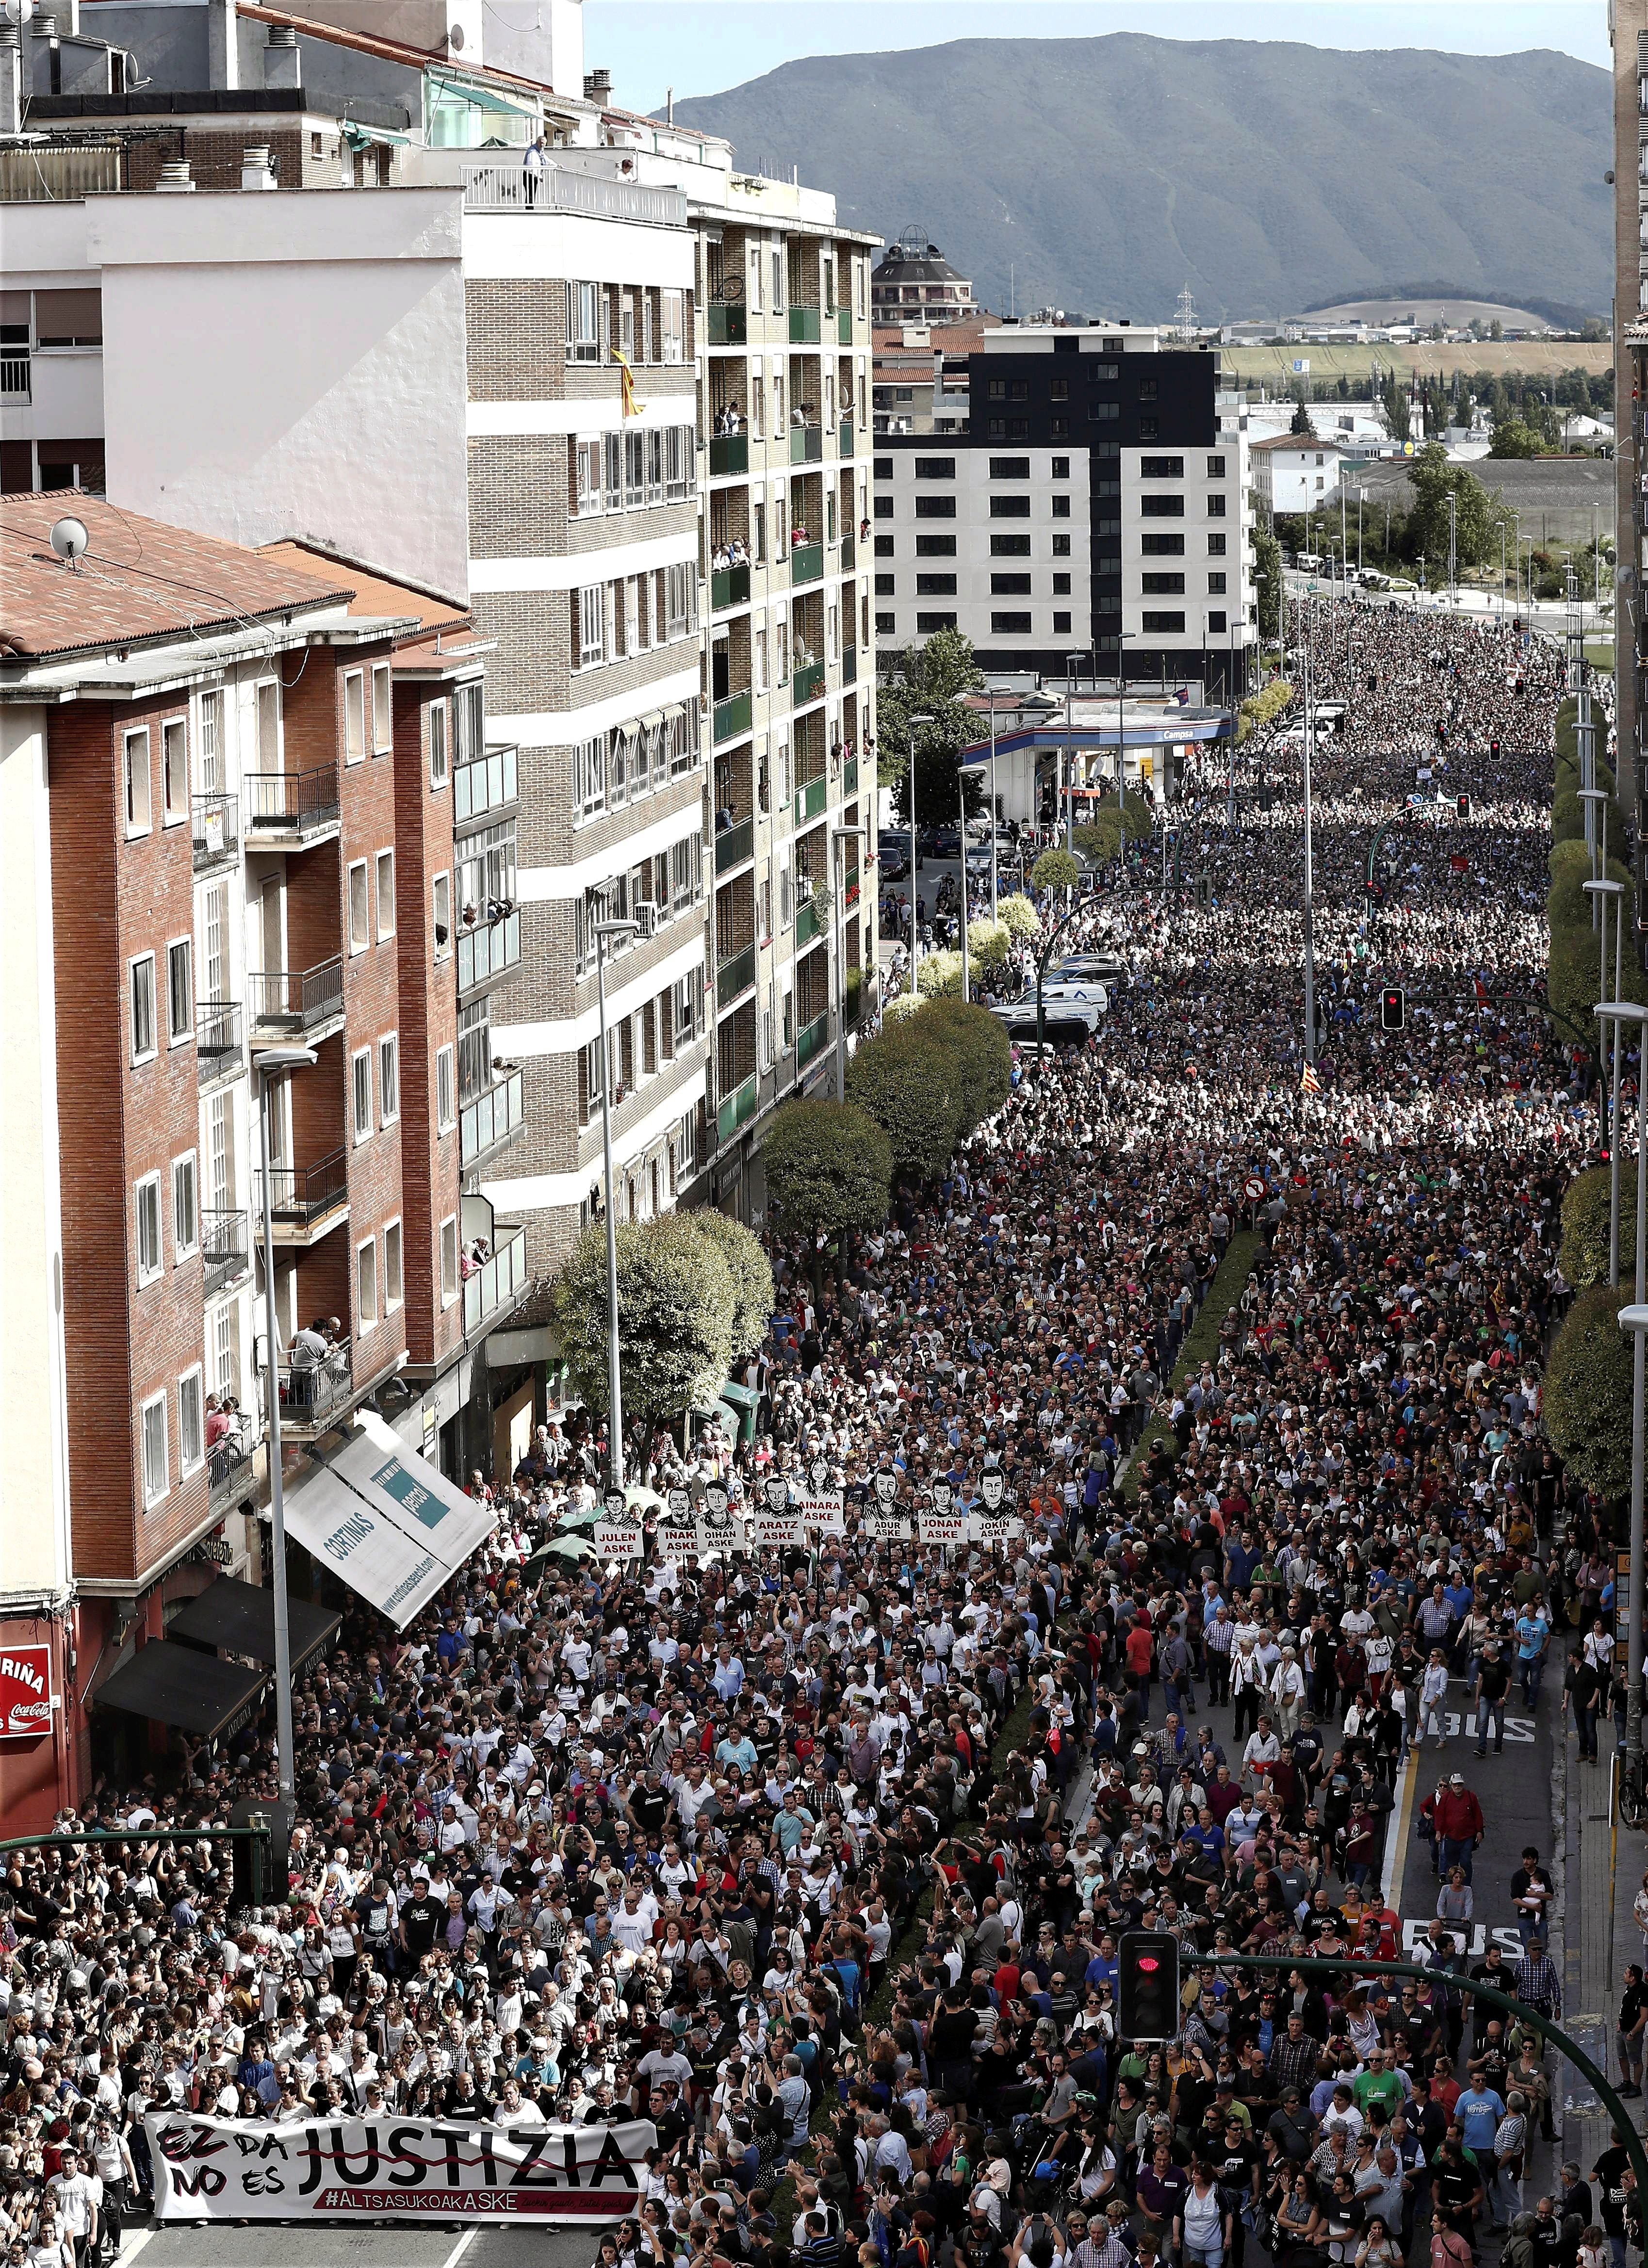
x,y
396,2168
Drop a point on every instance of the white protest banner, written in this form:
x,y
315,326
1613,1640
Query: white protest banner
x,y
774,1522
823,1515
678,1531
934,1526
719,1528
618,1531
884,1521
389,2169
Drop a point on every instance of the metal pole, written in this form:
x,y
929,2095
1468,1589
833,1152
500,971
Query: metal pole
x,y
1634,1604
961,796
838,874
915,981
993,806
276,1500
1069,770
1309,925
614,1389
1614,1147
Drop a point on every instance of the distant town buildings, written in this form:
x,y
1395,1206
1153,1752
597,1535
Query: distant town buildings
x,y
913,283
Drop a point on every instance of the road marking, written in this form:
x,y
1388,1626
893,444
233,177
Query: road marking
x,y
129,2252
461,2248
1396,1842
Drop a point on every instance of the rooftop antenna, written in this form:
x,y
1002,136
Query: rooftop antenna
x,y
70,540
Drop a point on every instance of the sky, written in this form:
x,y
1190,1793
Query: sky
x,y
700,46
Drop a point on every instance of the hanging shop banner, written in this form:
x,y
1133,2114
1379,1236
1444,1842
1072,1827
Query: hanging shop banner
x,y
401,2169
26,1694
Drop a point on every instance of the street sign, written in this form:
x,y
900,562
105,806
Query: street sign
x,y
1252,1188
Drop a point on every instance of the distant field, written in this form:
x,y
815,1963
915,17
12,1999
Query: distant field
x,y
1534,358
1456,314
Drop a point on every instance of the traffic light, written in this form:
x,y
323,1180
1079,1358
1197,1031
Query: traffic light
x,y
1392,1009
1462,805
1493,749
1147,1985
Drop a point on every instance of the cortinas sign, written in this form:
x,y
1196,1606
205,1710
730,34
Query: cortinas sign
x,y
24,1692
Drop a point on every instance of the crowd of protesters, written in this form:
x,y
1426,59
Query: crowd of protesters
x,y
820,1861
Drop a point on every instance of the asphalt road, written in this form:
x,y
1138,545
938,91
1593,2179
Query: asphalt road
x,y
221,2246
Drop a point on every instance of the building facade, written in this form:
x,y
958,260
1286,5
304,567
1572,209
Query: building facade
x,y
913,283
1628,26
1292,474
1092,518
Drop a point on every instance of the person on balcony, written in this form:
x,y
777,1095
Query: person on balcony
x,y
532,173
311,1350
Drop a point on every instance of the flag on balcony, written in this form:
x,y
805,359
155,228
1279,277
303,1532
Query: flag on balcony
x,y
626,380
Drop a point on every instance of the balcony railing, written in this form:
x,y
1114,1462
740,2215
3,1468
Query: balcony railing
x,y
296,803
810,1038
845,435
217,1037
501,1278
725,323
487,951
806,564
215,825
729,453
808,923
301,1195
804,326
849,665
806,445
15,389
852,1006
295,1001
229,1468
733,845
731,717
811,797
485,783
225,1246
849,769
849,553
312,1397
807,683
496,1116
737,1111
850,886
735,976
501,188
730,587
844,327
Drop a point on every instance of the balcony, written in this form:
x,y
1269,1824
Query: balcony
x,y
849,554
806,564
849,665
308,1201
487,783
853,1006
730,717
737,1111
849,769
730,587
810,1039
492,1119
16,390
218,1040
311,1399
811,797
729,454
808,923
497,1282
805,326
304,1004
735,976
488,950
215,825
844,327
733,845
806,445
229,1469
289,811
807,683
850,888
225,1246
844,436
725,323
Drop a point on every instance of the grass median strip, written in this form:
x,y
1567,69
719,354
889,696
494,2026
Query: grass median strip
x,y
1201,1341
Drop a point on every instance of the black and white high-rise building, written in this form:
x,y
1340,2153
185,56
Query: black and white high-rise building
x,y
1092,516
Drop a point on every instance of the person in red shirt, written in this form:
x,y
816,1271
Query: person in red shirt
x,y
1140,1650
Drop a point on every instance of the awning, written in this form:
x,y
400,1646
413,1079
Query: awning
x,y
175,1685
383,1518
479,98
240,1618
363,137
652,720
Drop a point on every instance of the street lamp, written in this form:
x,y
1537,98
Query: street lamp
x,y
840,837
1069,756
270,1064
921,717
1500,524
1003,691
643,925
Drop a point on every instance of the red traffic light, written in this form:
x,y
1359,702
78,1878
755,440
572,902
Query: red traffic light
x,y
1149,1963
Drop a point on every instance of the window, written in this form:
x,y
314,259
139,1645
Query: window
x,y
1216,622
268,725
1100,413
1163,586
354,715
1061,507
1060,547
1058,390
926,507
146,1214
1061,468
446,1089
1162,547
389,1079
386,894
191,1427
1010,625
886,546
360,1089
1009,507
143,1039
589,607
926,625
1215,507
1162,507
1150,429
1009,586
583,323
442,910
886,625
448,1260
360,915
440,763
393,1272
1061,586
672,327
1059,428
886,588
1215,468
589,777
926,587
174,769
1161,468
681,600
366,1282
1010,547
1215,546
929,547
156,1479
1163,622
137,760
1060,622
382,710
1009,468
180,989
213,780
1216,586
939,468
1147,389
185,1206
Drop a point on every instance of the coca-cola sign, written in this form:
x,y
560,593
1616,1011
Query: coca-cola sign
x,y
26,1695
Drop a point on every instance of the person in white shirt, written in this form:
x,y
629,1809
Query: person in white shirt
x,y
77,2198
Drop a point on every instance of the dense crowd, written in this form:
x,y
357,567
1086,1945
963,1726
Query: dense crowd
x,y
820,1861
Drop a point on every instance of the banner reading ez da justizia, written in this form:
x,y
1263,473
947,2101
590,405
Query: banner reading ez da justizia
x,y
402,2169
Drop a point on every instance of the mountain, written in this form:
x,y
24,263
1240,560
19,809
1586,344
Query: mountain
x,y
1110,172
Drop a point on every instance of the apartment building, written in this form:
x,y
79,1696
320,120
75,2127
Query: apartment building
x,y
1295,473
1628,28
1092,517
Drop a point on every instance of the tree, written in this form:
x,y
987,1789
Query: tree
x,y
1398,412
1588,1399
1055,869
907,1081
1586,1205
1301,416
988,943
828,1168
675,1309
978,1048
751,1274
1495,329
1513,439
1434,479
940,975
1017,917
1268,582
932,678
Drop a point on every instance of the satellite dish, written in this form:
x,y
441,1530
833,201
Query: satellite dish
x,y
455,38
68,538
19,11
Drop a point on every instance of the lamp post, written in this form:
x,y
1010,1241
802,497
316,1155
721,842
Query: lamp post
x,y
839,838
1601,893
1635,1319
1500,524
993,690
921,717
270,1064
1069,756
643,925
1309,919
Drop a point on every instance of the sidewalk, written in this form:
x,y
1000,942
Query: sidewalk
x,y
1582,1851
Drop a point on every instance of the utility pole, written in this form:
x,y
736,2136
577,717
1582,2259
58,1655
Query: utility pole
x,y
1453,544
1309,928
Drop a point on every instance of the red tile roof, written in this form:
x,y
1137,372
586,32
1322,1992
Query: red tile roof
x,y
373,595
139,582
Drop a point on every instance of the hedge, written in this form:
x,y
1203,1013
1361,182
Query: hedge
x,y
1585,1208
1588,1399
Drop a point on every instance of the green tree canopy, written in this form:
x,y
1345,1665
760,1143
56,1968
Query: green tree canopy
x,y
1055,869
1513,439
676,1308
930,680
1586,1203
1267,581
1301,417
906,1079
751,1274
1434,479
977,1046
1018,917
828,1168
1587,1398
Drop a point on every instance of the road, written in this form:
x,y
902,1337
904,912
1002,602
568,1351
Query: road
x,y
224,2247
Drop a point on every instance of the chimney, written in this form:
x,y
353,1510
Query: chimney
x,y
598,87
255,172
282,65
10,78
222,45
174,179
